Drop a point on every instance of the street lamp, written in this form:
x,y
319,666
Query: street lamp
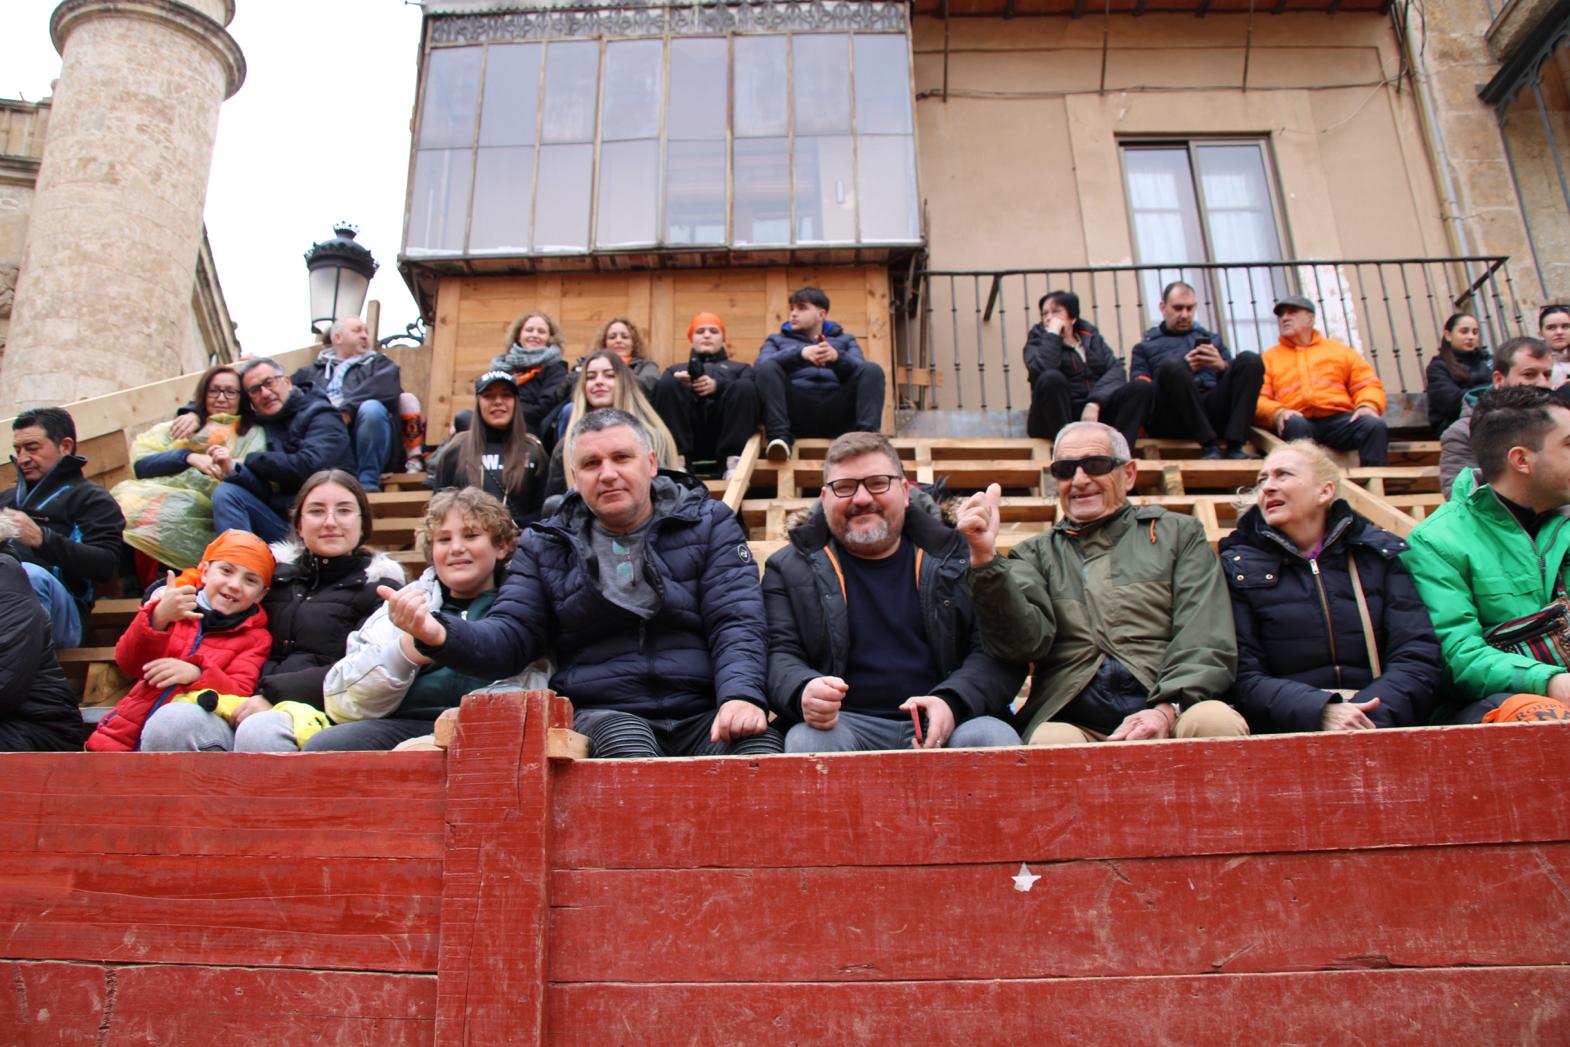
x,y
341,272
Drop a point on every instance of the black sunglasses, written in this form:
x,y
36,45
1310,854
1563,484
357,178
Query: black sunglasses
x,y
1094,465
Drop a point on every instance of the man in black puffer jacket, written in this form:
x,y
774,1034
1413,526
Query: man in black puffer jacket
x,y
305,434
870,621
646,594
37,707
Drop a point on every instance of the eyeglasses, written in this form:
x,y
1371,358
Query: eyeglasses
x,y
270,384
846,488
318,513
1094,465
223,394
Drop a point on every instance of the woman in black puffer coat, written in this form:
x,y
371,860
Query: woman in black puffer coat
x,y
1460,365
323,590
1303,661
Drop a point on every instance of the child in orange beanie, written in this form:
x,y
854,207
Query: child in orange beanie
x,y
205,631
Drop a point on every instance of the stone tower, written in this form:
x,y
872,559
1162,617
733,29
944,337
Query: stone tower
x,y
105,288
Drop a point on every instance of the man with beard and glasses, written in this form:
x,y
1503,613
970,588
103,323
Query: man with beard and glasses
x,y
872,642
1123,610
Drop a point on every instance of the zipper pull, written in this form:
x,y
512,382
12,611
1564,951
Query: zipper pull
x,y
1313,565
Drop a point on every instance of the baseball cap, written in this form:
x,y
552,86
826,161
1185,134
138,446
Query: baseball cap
x,y
490,378
1294,301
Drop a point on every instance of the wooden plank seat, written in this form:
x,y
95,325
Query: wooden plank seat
x,y
400,502
396,481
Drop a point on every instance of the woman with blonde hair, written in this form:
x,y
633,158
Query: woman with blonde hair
x,y
1331,633
606,382
534,359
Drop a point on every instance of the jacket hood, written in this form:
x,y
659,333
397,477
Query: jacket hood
x,y
1344,527
674,494
830,330
1198,332
924,526
69,467
379,566
1319,340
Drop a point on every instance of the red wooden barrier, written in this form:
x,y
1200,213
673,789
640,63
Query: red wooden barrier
x,y
1397,886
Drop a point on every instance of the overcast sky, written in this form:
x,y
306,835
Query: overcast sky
x,y
319,131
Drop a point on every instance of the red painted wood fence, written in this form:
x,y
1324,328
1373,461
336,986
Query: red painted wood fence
x,y
1398,887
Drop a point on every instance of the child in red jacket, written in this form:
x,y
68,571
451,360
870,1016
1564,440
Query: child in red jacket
x,y
192,640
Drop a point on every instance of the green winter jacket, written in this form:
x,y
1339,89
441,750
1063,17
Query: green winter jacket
x,y
1141,585
1476,567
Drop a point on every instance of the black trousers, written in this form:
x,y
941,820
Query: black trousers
x,y
1367,436
1182,411
1055,401
790,411
708,427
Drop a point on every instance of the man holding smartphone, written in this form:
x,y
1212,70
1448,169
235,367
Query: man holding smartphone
x,y
1202,393
872,641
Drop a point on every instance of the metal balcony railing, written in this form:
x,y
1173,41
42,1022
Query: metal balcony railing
x,y
960,334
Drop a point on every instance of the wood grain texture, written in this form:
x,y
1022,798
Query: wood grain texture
x,y
237,804
1288,912
351,913
1477,1006
68,1003
1287,793
494,903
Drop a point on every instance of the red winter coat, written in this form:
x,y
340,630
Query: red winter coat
x,y
230,660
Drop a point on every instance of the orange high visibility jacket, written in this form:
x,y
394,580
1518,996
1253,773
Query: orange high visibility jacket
x,y
1322,378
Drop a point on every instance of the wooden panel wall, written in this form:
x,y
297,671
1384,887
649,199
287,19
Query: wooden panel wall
x,y
473,313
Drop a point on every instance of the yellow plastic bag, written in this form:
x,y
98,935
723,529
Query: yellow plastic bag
x,y
170,518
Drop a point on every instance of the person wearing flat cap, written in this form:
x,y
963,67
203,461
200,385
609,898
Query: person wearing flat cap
x,y
708,401
1317,388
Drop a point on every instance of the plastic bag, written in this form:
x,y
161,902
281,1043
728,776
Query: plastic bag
x,y
170,518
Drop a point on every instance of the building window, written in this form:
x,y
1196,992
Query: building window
x,y
562,146
1213,202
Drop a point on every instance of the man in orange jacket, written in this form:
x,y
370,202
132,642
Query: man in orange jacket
x,y
1320,389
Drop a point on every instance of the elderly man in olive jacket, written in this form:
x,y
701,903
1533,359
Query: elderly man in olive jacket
x,y
1123,610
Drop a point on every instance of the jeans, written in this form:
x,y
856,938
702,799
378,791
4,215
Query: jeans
x,y
235,507
614,734
367,735
179,727
372,430
65,618
862,732
790,411
1367,435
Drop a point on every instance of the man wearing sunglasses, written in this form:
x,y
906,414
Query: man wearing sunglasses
x,y
1122,610
305,434
872,641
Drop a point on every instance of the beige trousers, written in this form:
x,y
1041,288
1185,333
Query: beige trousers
x,y
1207,719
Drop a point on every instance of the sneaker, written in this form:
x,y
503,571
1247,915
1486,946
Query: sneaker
x,y
779,450
414,465
1239,454
1210,452
730,466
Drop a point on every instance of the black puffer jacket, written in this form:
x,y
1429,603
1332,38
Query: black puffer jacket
x,y
38,710
312,607
304,437
1445,393
81,522
808,628
705,645
1290,655
1093,377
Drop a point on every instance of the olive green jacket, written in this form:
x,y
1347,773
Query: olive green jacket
x,y
1142,586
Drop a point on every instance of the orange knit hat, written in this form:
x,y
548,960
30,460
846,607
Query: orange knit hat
x,y
241,548
705,318
1528,708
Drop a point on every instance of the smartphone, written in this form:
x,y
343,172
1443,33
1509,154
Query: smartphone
x,y
918,719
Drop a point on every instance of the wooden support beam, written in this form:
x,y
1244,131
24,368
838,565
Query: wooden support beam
x,y
741,479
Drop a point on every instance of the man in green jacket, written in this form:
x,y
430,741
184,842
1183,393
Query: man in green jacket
x,y
1496,550
1123,611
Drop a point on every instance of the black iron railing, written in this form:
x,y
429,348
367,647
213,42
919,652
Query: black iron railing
x,y
960,334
